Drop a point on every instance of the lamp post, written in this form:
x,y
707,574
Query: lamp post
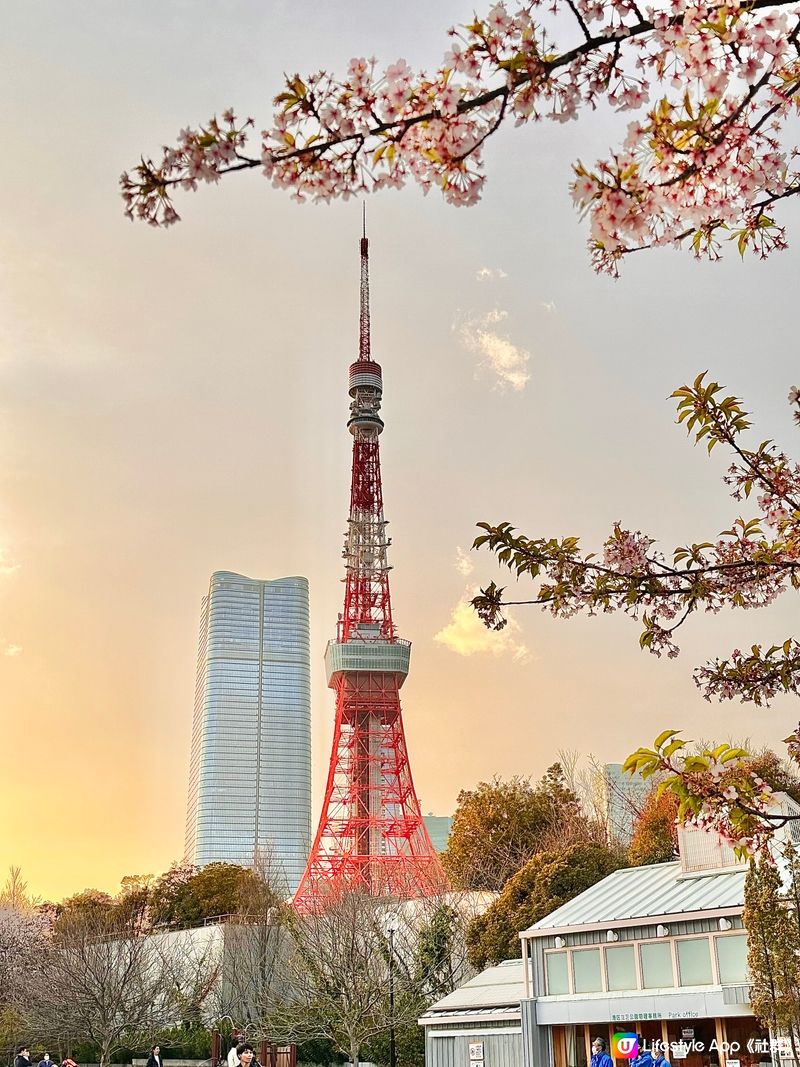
x,y
391,930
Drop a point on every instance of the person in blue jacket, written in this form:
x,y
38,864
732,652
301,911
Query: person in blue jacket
x,y
660,1059
600,1058
645,1058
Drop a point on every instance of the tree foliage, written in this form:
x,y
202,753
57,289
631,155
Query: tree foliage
x,y
712,90
499,825
184,895
438,956
773,947
547,881
655,832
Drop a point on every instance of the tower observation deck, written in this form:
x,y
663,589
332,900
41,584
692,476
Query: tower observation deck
x,y
371,836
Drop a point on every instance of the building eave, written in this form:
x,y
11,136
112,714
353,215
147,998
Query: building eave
x,y
640,920
508,1015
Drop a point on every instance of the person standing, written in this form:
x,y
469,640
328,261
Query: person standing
x,y
46,1061
154,1059
246,1055
645,1057
600,1058
660,1059
23,1057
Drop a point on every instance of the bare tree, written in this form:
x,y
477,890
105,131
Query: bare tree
x,y
255,944
105,982
337,980
14,894
190,963
434,941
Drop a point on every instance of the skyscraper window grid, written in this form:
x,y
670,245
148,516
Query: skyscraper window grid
x,y
250,773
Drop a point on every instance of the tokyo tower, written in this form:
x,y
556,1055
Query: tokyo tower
x,y
371,837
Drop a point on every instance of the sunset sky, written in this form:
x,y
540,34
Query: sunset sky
x,y
174,403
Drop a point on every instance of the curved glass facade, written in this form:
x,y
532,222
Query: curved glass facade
x,y
250,774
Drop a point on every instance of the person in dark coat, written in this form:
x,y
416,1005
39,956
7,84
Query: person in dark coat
x,y
600,1058
23,1057
246,1054
154,1059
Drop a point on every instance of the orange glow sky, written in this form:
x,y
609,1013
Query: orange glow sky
x,y
172,403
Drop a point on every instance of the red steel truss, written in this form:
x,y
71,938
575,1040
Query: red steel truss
x,y
371,835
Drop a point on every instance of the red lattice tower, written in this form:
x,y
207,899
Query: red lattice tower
x,y
371,836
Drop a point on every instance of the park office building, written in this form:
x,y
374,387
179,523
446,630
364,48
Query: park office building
x,y
657,950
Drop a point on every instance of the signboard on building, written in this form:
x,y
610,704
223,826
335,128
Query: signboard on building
x,y
476,1052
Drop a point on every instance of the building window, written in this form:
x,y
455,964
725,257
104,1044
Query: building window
x,y
557,975
575,1046
656,960
732,959
621,967
694,961
586,971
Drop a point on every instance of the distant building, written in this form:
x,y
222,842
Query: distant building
x,y
438,827
623,796
250,773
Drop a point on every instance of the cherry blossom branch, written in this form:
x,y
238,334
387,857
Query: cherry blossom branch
x,y
714,85
743,568
717,789
757,676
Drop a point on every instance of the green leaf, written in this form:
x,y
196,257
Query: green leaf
x,y
663,737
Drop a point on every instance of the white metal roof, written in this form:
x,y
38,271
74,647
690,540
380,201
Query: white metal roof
x,y
647,893
496,987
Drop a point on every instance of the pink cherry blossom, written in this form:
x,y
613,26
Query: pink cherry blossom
x,y
710,158
745,567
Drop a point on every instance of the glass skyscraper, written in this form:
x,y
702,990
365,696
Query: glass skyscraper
x,y
250,774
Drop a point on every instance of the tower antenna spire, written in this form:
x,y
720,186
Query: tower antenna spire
x,y
363,319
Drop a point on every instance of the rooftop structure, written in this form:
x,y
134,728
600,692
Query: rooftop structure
x,y
439,827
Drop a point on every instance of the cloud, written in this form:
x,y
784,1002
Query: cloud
x,y
490,273
497,353
7,565
466,635
9,649
549,305
463,564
